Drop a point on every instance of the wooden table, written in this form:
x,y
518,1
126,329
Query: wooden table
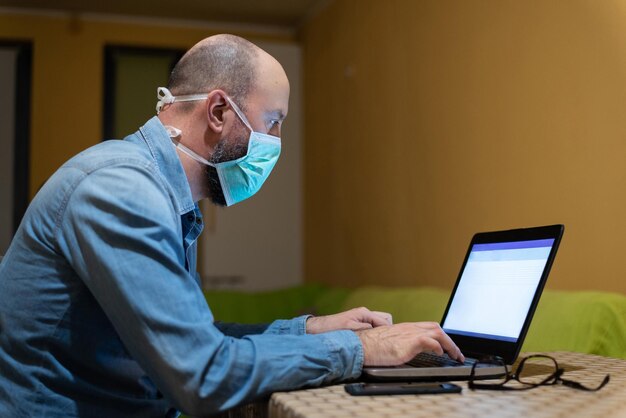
x,y
546,401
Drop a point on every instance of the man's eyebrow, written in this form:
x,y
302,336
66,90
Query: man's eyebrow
x,y
277,113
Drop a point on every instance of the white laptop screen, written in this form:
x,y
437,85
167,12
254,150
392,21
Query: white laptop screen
x,y
496,289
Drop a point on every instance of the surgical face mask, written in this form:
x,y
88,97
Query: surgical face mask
x,y
240,178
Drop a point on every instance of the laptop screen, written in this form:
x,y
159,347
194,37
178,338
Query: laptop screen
x,y
496,289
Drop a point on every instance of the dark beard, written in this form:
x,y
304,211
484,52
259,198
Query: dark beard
x,y
226,150
216,193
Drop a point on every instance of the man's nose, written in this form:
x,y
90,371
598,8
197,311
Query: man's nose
x,y
275,130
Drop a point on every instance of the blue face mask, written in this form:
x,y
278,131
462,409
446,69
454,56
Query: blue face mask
x,y
240,178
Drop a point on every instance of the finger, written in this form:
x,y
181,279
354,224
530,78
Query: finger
x,y
427,325
448,345
376,319
358,325
434,331
430,344
455,352
386,317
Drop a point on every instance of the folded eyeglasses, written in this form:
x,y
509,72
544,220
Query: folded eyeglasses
x,y
532,371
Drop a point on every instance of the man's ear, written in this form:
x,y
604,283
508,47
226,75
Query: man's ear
x,y
216,106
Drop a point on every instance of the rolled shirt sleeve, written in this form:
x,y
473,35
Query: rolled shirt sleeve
x,y
295,326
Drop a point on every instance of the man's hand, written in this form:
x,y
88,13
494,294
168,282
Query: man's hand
x,y
355,319
396,344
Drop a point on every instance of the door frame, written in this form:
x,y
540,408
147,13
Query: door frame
x,y
22,103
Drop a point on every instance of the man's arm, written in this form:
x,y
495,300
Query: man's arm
x,y
120,233
356,319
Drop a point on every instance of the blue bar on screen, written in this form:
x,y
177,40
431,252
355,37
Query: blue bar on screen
x,y
479,335
538,243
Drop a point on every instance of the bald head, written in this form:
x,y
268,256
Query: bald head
x,y
224,70
225,62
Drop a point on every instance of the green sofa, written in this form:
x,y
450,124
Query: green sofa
x,y
580,321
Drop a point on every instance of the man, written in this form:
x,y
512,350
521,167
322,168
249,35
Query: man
x,y
101,313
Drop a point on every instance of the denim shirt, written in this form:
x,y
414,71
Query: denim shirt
x,y
101,312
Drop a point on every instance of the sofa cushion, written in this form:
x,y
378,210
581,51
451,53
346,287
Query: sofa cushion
x,y
266,306
581,321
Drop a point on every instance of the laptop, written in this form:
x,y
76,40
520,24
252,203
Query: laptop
x,y
491,305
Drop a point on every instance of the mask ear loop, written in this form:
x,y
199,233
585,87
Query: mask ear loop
x,y
191,153
165,97
239,113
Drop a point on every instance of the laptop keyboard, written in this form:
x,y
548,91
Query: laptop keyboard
x,y
433,360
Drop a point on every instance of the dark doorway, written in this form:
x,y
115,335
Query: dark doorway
x,y
131,78
15,79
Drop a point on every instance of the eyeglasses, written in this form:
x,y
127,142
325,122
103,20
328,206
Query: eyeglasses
x,y
532,371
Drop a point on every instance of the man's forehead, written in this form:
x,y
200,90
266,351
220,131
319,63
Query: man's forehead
x,y
271,87
272,98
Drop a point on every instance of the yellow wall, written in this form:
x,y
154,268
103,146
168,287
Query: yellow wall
x,y
67,98
427,121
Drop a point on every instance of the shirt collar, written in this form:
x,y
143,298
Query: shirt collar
x,y
168,162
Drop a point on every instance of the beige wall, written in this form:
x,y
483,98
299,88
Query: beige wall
x,y
67,98
429,120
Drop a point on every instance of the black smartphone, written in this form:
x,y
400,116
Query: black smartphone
x,y
400,388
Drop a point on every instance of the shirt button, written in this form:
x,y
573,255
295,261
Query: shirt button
x,y
199,221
